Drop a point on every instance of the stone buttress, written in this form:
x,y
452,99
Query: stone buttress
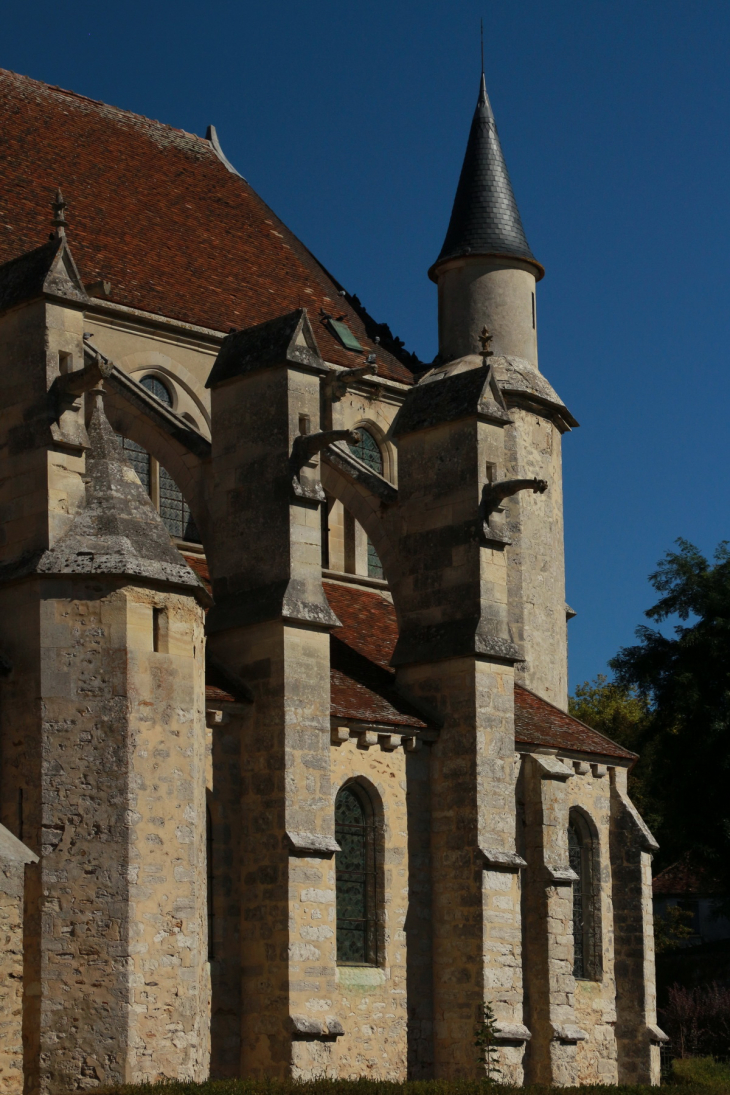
x,y
455,654
102,717
270,626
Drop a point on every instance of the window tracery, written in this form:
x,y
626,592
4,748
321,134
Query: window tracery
x,y
164,492
586,922
368,451
355,878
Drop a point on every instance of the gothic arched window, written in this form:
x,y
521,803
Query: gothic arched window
x,y
355,878
368,451
586,926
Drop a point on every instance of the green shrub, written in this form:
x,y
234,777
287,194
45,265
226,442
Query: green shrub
x,y
701,1072
691,1075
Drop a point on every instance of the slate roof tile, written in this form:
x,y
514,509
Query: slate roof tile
x,y
485,219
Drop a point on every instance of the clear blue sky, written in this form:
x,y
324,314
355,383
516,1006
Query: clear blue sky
x,y
351,121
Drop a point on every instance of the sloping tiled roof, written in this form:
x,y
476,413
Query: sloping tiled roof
x,y
684,877
538,722
155,212
362,682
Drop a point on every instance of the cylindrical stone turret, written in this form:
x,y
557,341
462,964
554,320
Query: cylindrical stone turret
x,y
490,290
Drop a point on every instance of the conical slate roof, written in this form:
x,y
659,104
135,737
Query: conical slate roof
x,y
118,530
485,219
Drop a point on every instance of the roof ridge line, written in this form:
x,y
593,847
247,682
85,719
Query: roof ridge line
x,y
100,102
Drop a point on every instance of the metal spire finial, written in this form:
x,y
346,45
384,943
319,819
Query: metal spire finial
x,y
59,220
485,338
481,34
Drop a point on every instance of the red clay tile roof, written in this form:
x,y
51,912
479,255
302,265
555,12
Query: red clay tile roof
x,y
153,210
199,564
684,877
362,681
538,722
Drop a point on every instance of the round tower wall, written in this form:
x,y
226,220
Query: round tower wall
x,y
536,556
478,291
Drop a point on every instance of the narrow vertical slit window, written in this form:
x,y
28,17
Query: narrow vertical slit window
x,y
355,878
533,312
156,628
325,532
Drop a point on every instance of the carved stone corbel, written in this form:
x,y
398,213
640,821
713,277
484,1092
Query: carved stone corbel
x,y
305,447
493,494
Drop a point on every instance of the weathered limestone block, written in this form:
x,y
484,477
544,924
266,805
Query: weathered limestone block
x,y
14,857
103,773
548,922
270,626
455,653
632,848
535,555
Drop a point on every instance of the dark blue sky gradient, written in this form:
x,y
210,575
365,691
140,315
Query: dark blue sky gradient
x,y
351,122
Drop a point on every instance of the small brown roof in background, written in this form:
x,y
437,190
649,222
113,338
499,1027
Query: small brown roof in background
x,y
684,877
154,211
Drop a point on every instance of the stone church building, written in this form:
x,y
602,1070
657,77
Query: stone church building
x,y
288,783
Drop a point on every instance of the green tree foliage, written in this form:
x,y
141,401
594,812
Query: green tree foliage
x,y
684,677
623,714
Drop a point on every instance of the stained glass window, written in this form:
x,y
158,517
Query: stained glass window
x,y
368,450
174,510
158,389
139,458
586,959
355,879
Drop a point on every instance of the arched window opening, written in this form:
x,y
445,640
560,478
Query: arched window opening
x,y
209,881
159,390
368,451
355,878
163,490
586,927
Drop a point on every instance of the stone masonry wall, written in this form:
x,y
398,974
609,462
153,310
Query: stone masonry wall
x,y
12,879
536,556
372,1002
113,769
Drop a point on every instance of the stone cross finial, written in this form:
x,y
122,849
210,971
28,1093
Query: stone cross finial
x,y
485,338
59,220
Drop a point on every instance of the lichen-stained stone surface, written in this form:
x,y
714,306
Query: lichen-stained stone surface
x,y
14,858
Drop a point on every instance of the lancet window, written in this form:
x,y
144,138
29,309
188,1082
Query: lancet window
x,y
368,451
586,916
355,878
